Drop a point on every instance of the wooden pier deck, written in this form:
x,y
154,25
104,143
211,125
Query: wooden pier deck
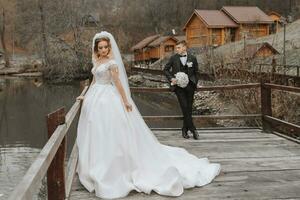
x,y
255,165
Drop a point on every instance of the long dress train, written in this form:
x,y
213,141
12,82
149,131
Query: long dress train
x,y
119,153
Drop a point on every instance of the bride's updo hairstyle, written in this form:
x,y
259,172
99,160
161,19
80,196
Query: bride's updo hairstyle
x,y
96,46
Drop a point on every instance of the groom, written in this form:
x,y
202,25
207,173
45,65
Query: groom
x,y
187,63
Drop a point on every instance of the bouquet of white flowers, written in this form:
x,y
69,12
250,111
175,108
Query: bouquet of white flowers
x,y
182,79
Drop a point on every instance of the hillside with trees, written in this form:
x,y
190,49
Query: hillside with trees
x,y
60,31
121,17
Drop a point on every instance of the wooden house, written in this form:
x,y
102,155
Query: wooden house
x,y
277,22
259,50
231,23
209,27
161,47
140,50
155,47
252,21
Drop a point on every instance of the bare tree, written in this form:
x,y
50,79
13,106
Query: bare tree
x,y
43,33
2,35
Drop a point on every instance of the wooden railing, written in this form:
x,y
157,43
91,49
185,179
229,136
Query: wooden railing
x,y
202,76
269,122
245,74
267,67
263,71
275,67
271,68
203,88
52,157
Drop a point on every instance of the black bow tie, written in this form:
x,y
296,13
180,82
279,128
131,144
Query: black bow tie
x,y
182,55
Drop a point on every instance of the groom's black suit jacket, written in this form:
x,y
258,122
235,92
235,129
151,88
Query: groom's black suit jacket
x,y
174,65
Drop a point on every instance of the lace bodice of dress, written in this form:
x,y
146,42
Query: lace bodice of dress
x,y
102,73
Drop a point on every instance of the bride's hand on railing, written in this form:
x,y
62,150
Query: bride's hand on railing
x,y
128,106
80,98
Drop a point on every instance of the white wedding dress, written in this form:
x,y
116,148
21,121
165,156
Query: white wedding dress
x,y
119,153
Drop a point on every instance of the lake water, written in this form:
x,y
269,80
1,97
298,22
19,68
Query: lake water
x,y
24,104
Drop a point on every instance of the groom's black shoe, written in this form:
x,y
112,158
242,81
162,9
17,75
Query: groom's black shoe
x,y
195,134
185,133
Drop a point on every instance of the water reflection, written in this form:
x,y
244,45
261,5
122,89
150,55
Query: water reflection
x,y
23,107
24,104
14,162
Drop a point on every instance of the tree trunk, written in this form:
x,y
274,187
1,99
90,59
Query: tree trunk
x,y
2,35
44,36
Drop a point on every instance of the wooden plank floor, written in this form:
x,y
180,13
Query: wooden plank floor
x,y
255,165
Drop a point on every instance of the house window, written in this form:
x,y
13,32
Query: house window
x,y
273,27
232,33
169,48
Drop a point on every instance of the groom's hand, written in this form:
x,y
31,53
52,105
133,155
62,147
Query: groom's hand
x,y
173,81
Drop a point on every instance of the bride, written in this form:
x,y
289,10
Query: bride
x,y
118,153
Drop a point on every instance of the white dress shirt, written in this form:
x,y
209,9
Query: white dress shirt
x,y
183,59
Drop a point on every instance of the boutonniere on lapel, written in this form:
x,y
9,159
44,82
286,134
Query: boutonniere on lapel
x,y
189,64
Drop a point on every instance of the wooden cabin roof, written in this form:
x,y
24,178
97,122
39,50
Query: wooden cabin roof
x,y
160,40
252,49
180,37
274,13
142,44
213,19
247,14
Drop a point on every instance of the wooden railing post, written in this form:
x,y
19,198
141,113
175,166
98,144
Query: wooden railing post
x,y
266,105
56,170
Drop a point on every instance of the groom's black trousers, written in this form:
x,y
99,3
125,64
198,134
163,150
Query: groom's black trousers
x,y
185,98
